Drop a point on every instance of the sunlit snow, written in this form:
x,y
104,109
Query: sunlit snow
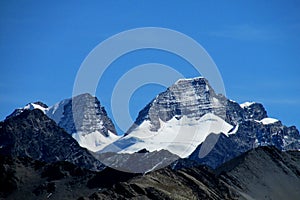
x,y
32,106
180,137
94,141
268,120
246,104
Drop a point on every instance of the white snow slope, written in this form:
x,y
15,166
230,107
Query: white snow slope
x,y
179,136
94,141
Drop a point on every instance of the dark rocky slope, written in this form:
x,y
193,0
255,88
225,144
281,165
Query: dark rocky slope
x,y
33,134
262,173
25,178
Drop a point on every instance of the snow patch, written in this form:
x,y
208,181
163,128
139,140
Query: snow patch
x,y
32,106
268,121
246,104
188,79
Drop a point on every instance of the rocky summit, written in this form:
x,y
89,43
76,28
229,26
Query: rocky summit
x,y
86,120
82,113
187,97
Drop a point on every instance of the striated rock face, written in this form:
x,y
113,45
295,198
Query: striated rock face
x,y
83,114
187,97
194,98
33,134
87,121
177,120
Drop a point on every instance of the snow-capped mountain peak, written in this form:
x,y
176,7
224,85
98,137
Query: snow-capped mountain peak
x,y
36,105
30,106
182,118
86,120
81,116
187,97
177,120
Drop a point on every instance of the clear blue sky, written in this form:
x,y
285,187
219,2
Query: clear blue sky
x,y
255,45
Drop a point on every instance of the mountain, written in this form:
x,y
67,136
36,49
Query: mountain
x,y
32,134
31,138
190,120
81,116
86,120
261,173
30,106
177,120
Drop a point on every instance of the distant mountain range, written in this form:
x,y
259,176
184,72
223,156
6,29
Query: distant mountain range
x,y
189,120
208,146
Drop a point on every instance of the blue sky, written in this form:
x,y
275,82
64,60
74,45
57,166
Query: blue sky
x,y
255,45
